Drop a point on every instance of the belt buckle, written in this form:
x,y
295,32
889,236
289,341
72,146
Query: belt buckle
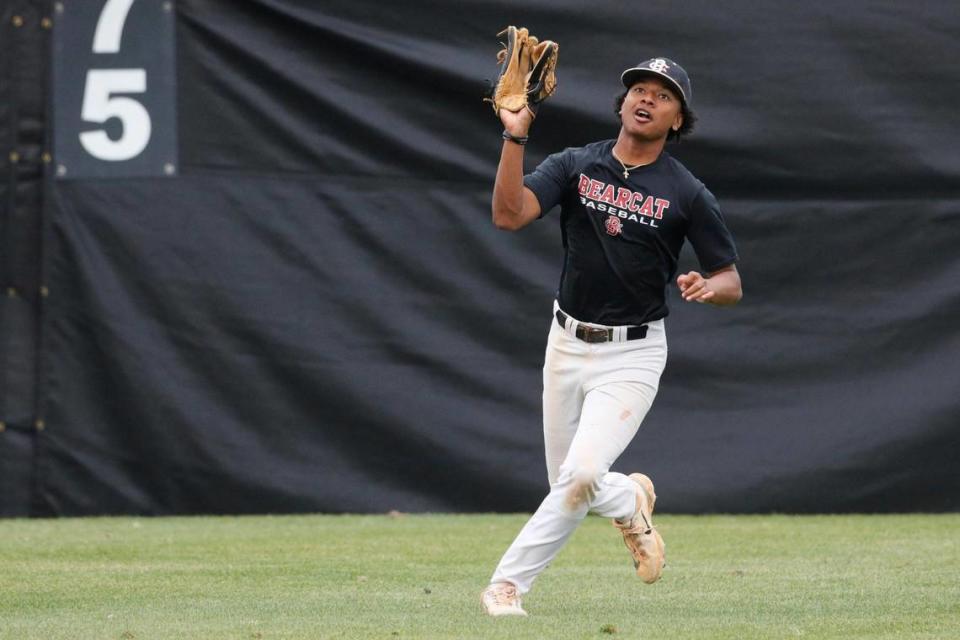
x,y
594,334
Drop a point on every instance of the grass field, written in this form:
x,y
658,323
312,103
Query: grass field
x,y
254,578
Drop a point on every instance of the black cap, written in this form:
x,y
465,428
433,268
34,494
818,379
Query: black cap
x,y
663,68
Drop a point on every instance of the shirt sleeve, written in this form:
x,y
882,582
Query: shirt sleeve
x,y
708,234
549,180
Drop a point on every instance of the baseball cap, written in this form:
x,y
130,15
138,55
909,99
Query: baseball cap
x,y
664,68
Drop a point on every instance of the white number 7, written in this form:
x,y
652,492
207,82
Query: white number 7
x,y
106,39
99,105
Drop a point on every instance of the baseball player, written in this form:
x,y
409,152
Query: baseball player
x,y
626,207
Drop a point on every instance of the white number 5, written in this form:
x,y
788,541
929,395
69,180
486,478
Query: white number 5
x,y
100,104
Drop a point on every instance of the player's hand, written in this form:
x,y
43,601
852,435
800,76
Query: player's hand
x,y
516,123
694,287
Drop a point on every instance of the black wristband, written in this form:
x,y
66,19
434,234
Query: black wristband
x,y
512,138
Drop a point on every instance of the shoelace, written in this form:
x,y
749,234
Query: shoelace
x,y
505,596
632,526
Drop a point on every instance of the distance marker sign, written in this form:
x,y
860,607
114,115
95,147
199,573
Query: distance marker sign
x,y
114,88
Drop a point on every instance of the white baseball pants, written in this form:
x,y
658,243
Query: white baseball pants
x,y
594,398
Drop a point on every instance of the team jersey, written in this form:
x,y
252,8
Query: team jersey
x,y
622,237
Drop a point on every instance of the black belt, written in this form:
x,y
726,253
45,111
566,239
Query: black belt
x,y
595,334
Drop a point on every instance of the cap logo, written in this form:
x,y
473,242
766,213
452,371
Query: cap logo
x,y
659,65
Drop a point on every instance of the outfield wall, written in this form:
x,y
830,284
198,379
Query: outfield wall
x,y
248,265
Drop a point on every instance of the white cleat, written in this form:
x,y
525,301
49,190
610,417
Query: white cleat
x,y
502,599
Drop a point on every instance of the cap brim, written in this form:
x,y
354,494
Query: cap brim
x,y
631,76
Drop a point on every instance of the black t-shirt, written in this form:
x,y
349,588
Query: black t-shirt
x,y
622,238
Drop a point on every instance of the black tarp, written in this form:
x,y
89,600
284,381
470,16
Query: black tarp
x,y
316,314
24,37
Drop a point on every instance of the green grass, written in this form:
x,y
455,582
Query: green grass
x,y
420,577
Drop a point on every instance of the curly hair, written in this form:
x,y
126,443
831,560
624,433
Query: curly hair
x,y
689,118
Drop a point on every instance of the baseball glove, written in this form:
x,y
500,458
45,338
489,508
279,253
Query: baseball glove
x,y
527,74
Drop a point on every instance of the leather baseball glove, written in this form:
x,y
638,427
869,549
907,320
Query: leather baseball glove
x,y
527,74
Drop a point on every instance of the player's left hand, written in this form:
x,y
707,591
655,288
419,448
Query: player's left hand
x,y
694,287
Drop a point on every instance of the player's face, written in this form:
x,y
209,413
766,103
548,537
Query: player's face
x,y
651,109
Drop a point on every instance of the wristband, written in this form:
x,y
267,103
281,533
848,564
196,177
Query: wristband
x,y
512,138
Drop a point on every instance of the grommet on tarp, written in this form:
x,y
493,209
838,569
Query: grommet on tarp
x,y
14,157
11,292
46,157
17,21
40,425
46,23
44,292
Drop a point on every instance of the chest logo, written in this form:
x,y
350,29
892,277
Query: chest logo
x,y
620,202
614,226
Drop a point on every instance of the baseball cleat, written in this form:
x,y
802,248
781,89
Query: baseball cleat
x,y
642,539
502,599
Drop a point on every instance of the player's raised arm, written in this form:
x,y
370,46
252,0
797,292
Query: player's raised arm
x,y
525,79
514,206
